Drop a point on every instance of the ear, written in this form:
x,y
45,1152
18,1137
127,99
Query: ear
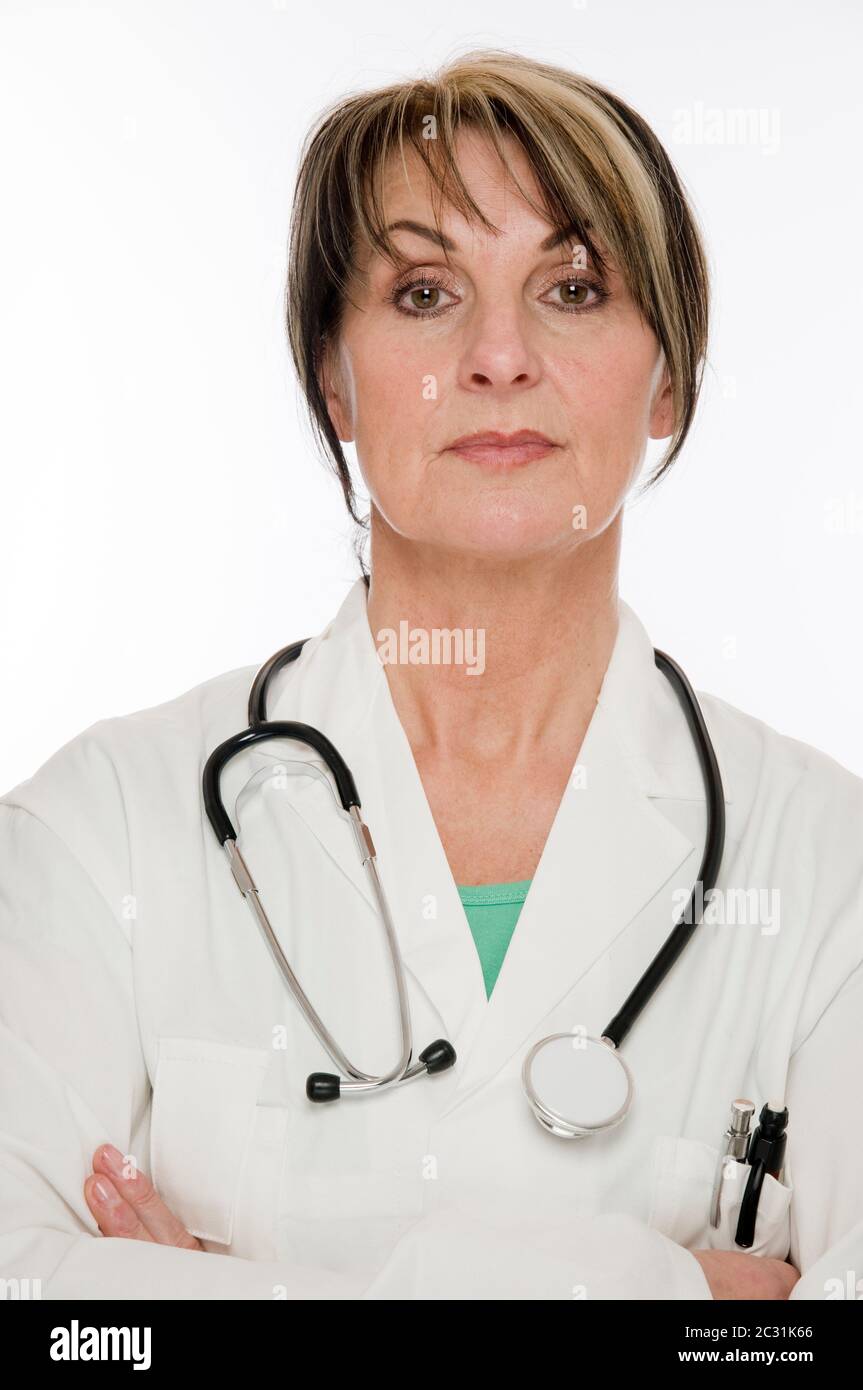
x,y
662,410
334,393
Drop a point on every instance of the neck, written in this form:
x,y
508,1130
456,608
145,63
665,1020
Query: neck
x,y
538,633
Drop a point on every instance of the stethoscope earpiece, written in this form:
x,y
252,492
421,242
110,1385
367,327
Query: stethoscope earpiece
x,y
323,1086
438,1056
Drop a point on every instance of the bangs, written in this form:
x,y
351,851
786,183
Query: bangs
x,y
592,185
566,203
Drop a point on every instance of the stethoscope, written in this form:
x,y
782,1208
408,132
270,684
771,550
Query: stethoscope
x,y
576,1085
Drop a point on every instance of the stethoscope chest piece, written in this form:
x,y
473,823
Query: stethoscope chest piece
x,y
577,1086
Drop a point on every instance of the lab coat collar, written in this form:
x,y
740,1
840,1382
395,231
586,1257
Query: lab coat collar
x,y
609,852
339,674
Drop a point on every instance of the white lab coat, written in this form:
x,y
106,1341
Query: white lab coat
x,y
141,1006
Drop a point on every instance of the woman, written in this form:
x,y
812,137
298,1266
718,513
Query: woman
x,y
498,293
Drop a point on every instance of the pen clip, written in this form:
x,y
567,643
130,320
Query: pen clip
x,y
736,1148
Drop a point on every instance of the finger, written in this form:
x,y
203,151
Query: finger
x,y
114,1216
140,1194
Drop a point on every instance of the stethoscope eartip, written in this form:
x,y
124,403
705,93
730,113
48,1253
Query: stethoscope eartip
x,y
322,1086
438,1056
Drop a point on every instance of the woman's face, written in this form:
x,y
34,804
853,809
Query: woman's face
x,y
506,337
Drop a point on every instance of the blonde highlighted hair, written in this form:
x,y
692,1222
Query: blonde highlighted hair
x,y
597,163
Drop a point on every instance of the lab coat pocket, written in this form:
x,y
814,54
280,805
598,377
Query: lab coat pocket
x,y
681,1194
203,1116
681,1184
772,1223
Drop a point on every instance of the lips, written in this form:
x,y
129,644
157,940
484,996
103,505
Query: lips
x,y
499,440
497,451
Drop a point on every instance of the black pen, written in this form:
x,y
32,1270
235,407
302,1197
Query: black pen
x,y
766,1155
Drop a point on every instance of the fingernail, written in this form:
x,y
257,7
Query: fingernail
x,y
114,1159
105,1193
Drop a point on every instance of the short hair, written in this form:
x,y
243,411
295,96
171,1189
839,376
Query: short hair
x,y
597,163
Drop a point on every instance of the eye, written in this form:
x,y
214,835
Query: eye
x,y
576,292
420,297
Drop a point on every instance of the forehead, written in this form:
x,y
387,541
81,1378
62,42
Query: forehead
x,y
506,191
491,181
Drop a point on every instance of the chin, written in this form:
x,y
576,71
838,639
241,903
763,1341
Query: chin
x,y
502,540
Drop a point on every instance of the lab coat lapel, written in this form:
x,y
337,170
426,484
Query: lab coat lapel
x,y
340,687
331,686
608,852
436,943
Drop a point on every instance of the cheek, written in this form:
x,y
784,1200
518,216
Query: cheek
x,y
606,394
606,400
397,393
400,410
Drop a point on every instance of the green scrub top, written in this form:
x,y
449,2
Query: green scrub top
x,y
492,911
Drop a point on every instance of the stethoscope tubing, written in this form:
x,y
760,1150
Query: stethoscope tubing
x,y
260,730
708,872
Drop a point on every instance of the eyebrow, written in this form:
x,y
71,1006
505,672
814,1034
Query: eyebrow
x,y
406,224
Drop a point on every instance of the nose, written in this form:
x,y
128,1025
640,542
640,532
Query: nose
x,y
497,353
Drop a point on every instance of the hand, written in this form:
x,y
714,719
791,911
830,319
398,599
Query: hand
x,y
130,1206
735,1274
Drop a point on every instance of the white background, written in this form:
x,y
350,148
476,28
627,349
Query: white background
x,y
164,515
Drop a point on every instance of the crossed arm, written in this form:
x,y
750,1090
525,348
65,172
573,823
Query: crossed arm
x,y
124,1203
